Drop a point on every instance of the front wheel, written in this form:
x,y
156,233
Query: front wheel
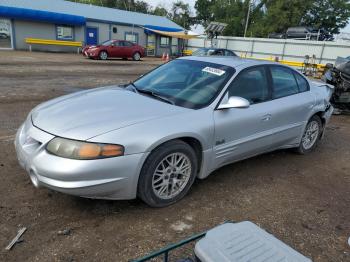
x,y
167,174
136,56
311,135
103,55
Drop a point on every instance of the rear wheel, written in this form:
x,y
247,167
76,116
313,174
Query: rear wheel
x,y
311,135
103,55
136,56
167,174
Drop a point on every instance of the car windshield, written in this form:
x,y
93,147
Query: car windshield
x,y
188,83
107,43
201,52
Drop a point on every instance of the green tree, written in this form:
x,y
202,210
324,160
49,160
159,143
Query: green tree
x,y
161,11
269,16
180,13
279,15
204,11
331,15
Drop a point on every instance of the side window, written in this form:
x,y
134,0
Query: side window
x,y
283,81
302,83
251,84
228,53
127,44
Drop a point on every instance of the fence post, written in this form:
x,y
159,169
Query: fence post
x,y
252,50
284,48
321,56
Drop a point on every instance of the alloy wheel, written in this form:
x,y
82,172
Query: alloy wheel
x,y
311,134
171,175
103,55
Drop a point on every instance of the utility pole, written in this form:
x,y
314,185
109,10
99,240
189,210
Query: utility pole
x,y
247,20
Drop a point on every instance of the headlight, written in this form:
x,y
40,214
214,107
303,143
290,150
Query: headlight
x,y
82,150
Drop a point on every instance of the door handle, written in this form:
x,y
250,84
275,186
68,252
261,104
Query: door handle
x,y
266,117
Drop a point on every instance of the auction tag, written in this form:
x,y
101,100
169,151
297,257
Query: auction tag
x,y
214,71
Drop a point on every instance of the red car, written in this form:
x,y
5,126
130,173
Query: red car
x,y
115,48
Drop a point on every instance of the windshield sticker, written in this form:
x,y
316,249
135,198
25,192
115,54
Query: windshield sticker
x,y
214,71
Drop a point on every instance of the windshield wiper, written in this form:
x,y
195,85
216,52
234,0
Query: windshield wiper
x,y
152,93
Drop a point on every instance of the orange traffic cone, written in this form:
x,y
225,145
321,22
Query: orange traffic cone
x,y
163,57
167,58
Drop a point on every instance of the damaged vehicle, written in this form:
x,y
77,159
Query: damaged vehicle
x,y
153,137
339,76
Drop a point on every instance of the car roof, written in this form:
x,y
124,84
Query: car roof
x,y
231,61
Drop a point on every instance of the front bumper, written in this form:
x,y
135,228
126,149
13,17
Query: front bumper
x,y
110,178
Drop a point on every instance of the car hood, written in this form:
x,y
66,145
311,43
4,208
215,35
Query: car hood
x,y
87,114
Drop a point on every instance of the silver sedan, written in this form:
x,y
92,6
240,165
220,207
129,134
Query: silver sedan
x,y
152,138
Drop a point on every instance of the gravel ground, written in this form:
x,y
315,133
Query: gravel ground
x,y
302,200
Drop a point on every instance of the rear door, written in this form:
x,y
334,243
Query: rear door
x,y
244,132
292,102
128,49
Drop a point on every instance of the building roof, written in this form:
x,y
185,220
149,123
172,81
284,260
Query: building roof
x,y
91,12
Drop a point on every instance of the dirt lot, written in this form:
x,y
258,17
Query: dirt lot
x,y
302,200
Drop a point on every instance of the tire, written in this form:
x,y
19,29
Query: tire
x,y
136,56
155,172
103,55
309,142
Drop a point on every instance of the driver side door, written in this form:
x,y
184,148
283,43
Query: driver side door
x,y
244,132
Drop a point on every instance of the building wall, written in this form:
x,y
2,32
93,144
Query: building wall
x,y
25,29
122,29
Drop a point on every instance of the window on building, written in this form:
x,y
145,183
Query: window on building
x,y
115,30
132,37
164,41
65,32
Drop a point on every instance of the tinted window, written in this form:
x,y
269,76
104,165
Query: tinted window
x,y
302,83
229,53
252,85
284,83
200,52
219,52
128,44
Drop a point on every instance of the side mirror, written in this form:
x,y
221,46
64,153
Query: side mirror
x,y
235,102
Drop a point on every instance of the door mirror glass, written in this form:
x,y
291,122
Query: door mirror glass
x,y
235,102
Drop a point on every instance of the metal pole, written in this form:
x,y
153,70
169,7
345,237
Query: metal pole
x,y
247,20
